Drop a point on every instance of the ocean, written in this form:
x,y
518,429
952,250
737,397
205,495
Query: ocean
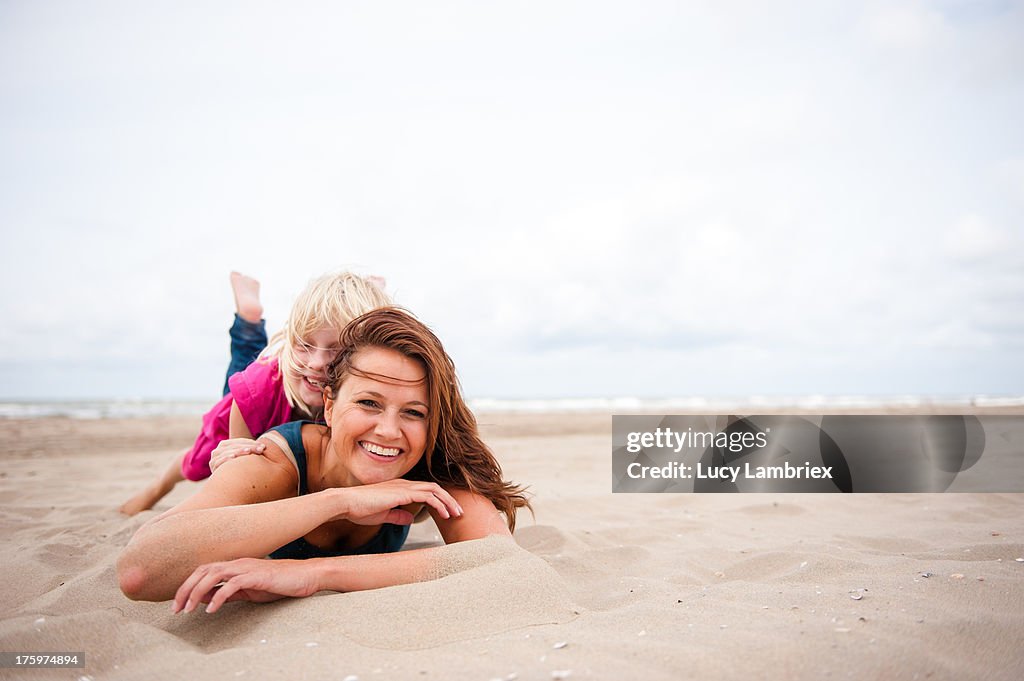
x,y
142,408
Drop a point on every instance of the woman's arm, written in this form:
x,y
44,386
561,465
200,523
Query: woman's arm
x,y
243,511
479,519
261,580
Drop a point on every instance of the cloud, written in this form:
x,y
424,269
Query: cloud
x,y
973,239
1009,174
913,26
788,189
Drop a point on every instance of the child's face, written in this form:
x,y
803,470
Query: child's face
x,y
312,355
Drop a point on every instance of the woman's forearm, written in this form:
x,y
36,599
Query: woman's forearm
x,y
163,553
166,551
375,571
476,536
266,580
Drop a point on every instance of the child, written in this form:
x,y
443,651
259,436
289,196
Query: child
x,y
284,384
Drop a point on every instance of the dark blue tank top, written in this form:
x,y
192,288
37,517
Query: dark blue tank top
x,y
388,540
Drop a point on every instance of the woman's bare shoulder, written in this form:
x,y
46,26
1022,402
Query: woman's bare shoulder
x,y
479,518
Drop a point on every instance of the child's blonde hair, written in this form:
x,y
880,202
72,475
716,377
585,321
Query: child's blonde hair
x,y
330,301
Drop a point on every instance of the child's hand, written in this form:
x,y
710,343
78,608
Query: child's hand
x,y
229,449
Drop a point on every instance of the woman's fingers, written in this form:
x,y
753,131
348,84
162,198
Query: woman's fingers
x,y
399,516
198,587
436,497
431,498
202,590
184,592
248,579
227,590
449,501
369,504
441,500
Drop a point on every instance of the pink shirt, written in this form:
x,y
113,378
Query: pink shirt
x,y
259,393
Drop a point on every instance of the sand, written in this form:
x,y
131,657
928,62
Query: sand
x,y
603,586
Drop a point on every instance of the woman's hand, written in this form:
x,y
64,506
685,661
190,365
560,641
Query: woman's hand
x,y
258,580
229,449
378,503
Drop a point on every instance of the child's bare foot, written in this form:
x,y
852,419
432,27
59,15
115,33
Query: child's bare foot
x,y
143,501
156,490
247,297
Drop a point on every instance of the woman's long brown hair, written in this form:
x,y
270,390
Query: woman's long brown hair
x,y
455,454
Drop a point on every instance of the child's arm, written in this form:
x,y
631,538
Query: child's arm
x,y
236,424
239,443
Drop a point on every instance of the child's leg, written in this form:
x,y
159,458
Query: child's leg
x,y
248,333
156,490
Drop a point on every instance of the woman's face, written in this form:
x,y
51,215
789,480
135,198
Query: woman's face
x,y
312,355
379,422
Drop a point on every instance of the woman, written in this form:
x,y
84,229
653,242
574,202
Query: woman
x,y
399,438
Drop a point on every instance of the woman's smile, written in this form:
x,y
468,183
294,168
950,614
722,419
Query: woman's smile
x,y
378,451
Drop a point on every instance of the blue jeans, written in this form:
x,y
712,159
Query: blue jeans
x,y
247,341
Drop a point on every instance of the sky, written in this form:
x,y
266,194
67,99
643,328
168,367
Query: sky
x,y
583,199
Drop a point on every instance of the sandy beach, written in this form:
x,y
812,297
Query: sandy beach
x,y
598,585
